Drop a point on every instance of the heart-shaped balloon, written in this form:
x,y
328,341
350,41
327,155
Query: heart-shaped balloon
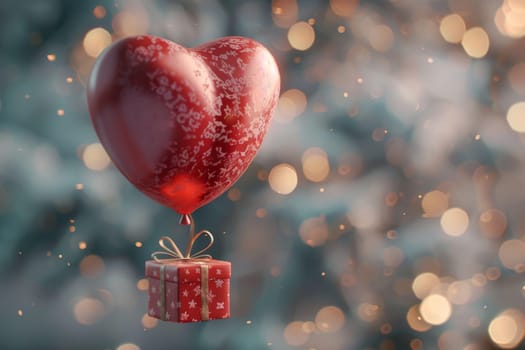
x,y
183,125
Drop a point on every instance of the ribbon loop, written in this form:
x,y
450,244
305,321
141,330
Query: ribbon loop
x,y
172,251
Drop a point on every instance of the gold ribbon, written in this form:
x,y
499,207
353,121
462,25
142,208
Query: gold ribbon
x,y
173,253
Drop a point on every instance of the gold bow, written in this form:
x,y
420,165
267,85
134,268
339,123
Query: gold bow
x,y
172,251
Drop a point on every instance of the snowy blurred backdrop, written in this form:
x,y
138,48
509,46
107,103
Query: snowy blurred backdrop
x,y
384,211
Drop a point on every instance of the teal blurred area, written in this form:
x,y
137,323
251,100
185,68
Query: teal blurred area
x,y
384,210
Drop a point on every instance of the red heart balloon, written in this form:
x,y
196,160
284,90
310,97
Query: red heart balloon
x,y
183,125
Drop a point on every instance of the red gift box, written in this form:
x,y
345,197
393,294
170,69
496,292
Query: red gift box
x,y
189,290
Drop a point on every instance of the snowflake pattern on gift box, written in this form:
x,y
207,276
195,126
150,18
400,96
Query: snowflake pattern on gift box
x,y
184,298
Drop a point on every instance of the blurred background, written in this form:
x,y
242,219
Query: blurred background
x,y
384,211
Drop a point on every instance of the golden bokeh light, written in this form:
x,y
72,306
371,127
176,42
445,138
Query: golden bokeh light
x,y
309,327
391,199
452,28
512,254
99,11
283,179
89,311
454,222
130,23
476,42
435,309
516,117
493,223
301,36
368,312
434,203
91,266
507,330
284,12
381,38
329,319
315,164
292,104
95,157
459,292
516,76
492,273
424,283
82,245
128,346
314,231
294,334
143,284
416,344
416,321
510,19
344,8
393,256
149,322
95,41
234,194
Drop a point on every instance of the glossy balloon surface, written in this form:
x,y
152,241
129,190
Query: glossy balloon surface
x,y
182,124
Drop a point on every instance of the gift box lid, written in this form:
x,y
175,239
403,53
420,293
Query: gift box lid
x,y
188,270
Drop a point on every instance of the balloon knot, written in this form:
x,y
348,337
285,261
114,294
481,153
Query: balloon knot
x,y
185,219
